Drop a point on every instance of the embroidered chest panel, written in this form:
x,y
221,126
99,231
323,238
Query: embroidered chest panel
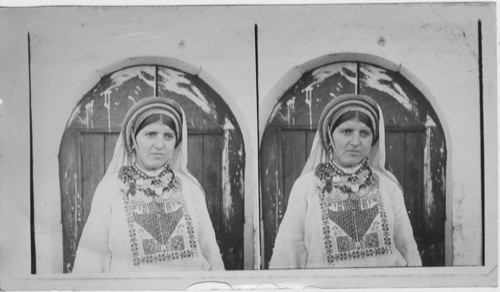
x,y
160,226
353,216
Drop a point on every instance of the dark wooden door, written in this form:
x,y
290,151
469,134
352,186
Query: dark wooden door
x,y
415,147
216,154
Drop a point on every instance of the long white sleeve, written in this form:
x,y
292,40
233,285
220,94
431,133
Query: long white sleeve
x,y
206,234
93,255
403,232
290,249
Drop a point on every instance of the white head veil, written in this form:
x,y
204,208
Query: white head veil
x,y
123,152
320,154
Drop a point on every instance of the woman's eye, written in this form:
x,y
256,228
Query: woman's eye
x,y
169,136
365,133
150,134
347,131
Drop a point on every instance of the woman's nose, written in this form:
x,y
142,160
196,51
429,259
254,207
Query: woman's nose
x,y
355,139
159,143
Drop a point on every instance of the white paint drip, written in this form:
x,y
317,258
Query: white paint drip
x,y
228,125
242,183
277,195
428,197
89,110
77,195
131,98
356,82
378,79
176,81
443,180
430,123
107,105
277,110
75,114
120,77
226,184
151,83
309,103
319,75
291,108
240,152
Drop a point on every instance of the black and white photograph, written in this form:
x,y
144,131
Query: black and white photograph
x,y
247,146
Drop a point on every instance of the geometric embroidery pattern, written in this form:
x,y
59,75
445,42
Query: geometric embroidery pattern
x,y
352,228
159,231
354,221
160,225
372,239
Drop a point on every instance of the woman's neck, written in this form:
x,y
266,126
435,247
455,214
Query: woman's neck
x,y
348,169
154,172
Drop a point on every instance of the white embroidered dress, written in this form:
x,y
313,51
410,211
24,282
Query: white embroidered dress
x,y
323,228
123,233
313,235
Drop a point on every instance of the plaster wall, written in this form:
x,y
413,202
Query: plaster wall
x,y
436,45
15,256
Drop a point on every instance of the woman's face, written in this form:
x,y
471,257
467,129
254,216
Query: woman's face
x,y
353,141
156,144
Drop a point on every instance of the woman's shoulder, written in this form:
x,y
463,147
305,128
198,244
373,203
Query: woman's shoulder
x,y
305,183
185,178
107,188
188,182
306,178
109,181
388,181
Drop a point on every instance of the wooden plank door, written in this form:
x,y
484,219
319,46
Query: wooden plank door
x,y
415,147
216,154
405,159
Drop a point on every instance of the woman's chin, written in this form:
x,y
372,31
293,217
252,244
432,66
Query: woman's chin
x,y
352,162
155,165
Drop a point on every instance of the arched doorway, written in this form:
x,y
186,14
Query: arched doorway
x,y
215,150
415,146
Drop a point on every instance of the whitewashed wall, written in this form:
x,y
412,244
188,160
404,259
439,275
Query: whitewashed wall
x,y
436,44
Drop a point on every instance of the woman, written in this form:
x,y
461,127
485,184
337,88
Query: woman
x,y
149,213
346,209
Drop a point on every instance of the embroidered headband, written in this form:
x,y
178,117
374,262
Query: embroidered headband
x,y
341,105
144,108
172,115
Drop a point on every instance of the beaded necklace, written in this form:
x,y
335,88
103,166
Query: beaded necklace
x,y
348,184
147,188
